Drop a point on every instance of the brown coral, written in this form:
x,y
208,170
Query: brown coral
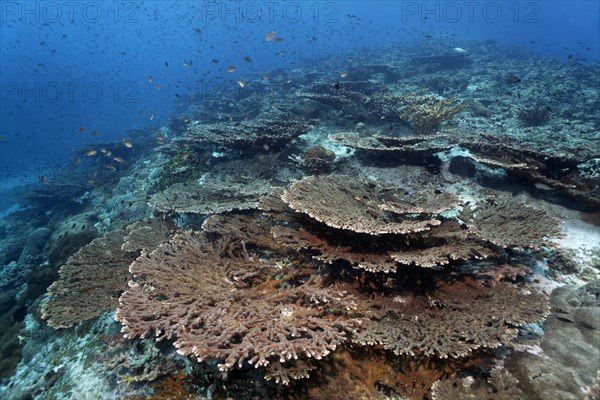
x,y
90,282
501,385
344,203
185,291
359,100
256,135
512,224
451,321
379,253
414,149
146,235
427,112
212,197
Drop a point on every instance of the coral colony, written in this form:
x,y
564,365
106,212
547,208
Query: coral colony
x,y
376,237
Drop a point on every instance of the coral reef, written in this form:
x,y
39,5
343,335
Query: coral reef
x,y
427,112
556,171
212,196
358,100
343,203
316,159
211,313
261,135
452,321
501,385
90,282
412,149
381,274
508,223
146,235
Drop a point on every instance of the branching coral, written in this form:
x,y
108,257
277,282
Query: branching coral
x,y
146,235
251,228
258,135
507,223
375,228
359,100
415,149
451,321
427,112
184,291
372,373
501,385
343,203
212,197
90,282
379,254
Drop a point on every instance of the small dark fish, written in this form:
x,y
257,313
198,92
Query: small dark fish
x,y
511,79
166,64
215,61
247,59
570,56
337,86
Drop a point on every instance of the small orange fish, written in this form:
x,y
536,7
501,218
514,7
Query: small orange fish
x,y
43,179
82,129
231,69
265,77
157,86
270,36
94,133
150,79
108,153
76,161
241,83
343,74
127,143
278,39
110,167
151,117
186,120
90,153
103,150
119,159
160,137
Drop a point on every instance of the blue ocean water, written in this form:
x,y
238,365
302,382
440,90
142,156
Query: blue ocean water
x,y
108,66
99,105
